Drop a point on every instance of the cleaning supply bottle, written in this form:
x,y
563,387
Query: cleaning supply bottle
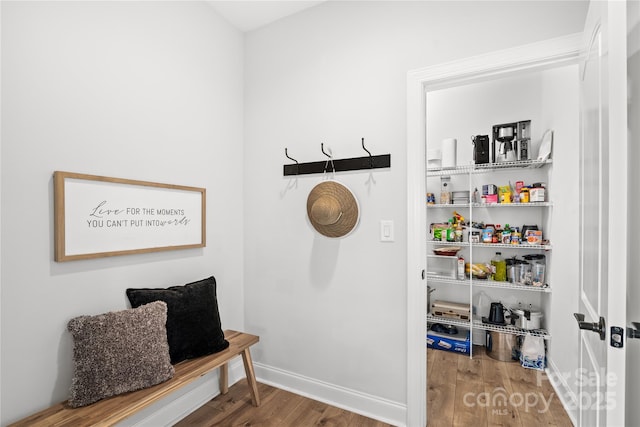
x,y
499,268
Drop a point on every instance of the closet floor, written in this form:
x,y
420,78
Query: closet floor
x,y
485,392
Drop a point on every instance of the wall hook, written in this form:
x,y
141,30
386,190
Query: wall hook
x,y
323,152
330,159
337,165
291,158
369,153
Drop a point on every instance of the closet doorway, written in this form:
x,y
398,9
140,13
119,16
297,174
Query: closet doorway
x,y
511,63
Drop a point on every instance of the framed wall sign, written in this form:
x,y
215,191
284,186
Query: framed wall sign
x,y
97,216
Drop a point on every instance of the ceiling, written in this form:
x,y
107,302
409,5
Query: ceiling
x,y
249,15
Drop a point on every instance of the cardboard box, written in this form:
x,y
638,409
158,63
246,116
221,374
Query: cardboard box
x,y
492,198
536,194
533,237
449,344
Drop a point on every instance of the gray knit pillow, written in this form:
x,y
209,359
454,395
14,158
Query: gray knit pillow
x,y
117,352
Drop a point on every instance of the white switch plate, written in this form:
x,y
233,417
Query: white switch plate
x,y
386,230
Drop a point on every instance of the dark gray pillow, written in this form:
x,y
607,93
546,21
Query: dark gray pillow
x,y
117,352
193,319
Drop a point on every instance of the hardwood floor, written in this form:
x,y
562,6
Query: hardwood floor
x,y
461,392
486,392
279,408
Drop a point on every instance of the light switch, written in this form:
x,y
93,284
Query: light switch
x,y
386,230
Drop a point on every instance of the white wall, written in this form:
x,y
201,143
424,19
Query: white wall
x,y
141,90
332,313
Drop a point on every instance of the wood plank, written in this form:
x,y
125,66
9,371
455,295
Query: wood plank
x,y
469,387
528,397
274,411
251,376
357,420
441,389
224,378
233,409
556,408
429,362
279,409
336,417
308,413
500,412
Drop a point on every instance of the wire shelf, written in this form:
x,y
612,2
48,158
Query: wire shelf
x,y
487,283
448,321
487,167
524,246
477,324
511,329
489,205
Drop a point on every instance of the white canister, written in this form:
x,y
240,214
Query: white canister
x,y
449,151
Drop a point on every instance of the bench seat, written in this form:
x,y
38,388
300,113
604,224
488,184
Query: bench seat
x,y
110,411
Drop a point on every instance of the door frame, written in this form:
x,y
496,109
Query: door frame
x,y
537,56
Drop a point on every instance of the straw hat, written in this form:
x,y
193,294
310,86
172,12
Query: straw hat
x,y
332,209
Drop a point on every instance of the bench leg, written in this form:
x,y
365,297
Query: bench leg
x,y
224,378
251,377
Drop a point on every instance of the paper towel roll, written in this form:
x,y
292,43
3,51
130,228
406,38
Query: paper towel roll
x,y
449,149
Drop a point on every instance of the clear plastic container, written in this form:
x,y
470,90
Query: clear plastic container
x,y
538,268
537,274
525,273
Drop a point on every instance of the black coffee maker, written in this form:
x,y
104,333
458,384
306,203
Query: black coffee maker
x,y
480,149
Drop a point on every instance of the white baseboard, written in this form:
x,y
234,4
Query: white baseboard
x,y
364,404
183,402
563,391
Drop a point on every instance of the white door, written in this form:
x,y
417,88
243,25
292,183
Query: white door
x,y
633,291
603,217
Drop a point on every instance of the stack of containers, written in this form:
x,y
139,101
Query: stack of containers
x,y
460,197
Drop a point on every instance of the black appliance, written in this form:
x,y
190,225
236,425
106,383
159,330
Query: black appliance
x,y
480,149
496,314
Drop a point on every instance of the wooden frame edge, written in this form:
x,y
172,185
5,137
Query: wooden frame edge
x,y
59,216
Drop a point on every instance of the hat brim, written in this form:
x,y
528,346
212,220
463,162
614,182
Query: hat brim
x,y
349,207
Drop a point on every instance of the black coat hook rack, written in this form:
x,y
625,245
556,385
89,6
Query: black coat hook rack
x,y
339,165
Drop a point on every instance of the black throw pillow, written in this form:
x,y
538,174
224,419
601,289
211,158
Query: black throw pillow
x,y
193,319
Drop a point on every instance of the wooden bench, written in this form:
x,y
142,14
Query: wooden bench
x,y
110,411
